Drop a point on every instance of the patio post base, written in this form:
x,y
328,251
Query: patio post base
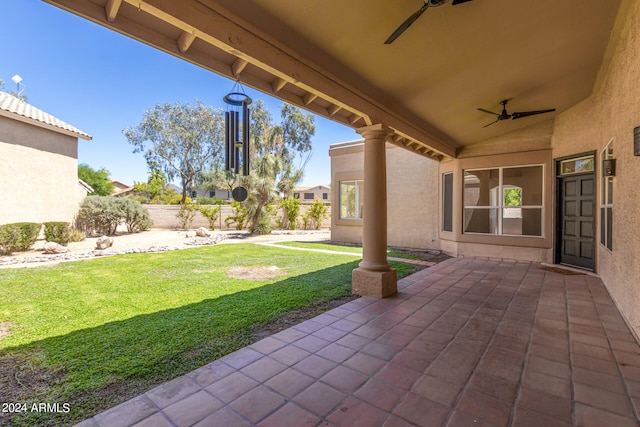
x,y
377,284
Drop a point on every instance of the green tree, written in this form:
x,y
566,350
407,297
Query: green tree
x,y
181,140
154,188
97,179
279,153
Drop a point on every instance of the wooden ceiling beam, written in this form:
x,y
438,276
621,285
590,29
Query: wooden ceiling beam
x,y
111,9
185,40
238,66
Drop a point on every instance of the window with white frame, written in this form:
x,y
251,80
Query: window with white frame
x,y
351,194
606,202
504,201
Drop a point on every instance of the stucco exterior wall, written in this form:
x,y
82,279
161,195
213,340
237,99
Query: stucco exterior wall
x,y
412,189
611,114
38,174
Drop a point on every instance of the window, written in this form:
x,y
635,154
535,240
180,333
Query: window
x,y
194,194
351,199
504,201
606,202
309,196
325,196
447,202
296,195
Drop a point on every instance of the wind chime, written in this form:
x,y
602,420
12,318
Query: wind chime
x,y
236,140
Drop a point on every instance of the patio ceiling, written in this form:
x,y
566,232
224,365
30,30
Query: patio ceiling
x,y
329,57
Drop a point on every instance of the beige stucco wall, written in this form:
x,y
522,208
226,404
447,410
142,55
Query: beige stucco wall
x,y
38,174
412,189
612,113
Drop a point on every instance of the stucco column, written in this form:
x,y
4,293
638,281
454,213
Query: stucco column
x,y
374,277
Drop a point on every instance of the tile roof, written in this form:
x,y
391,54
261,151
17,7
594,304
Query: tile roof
x,y
15,108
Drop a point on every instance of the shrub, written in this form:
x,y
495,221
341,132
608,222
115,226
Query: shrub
x,y
239,215
291,209
103,214
18,237
134,215
77,235
58,232
211,213
186,215
314,215
209,201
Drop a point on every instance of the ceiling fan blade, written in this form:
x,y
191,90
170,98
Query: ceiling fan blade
x,y
491,123
522,114
406,24
487,111
455,2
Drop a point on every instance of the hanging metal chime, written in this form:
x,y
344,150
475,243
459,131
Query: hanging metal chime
x,y
236,140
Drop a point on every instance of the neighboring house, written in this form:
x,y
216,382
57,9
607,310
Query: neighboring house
x,y
220,193
412,187
309,194
38,164
121,189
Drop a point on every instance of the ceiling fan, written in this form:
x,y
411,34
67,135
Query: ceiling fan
x,y
410,20
516,115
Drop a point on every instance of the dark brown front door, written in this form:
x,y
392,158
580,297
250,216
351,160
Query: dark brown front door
x,y
576,245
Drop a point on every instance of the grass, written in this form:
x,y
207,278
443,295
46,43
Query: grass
x,y
355,249
95,333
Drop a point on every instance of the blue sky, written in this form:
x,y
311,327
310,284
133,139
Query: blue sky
x,y
102,82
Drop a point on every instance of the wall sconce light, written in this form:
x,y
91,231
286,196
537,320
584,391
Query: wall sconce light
x,y
609,167
636,141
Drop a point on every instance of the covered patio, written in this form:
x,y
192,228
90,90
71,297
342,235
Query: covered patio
x,y
468,342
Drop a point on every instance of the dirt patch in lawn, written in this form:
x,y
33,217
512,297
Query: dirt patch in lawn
x,y
258,272
4,329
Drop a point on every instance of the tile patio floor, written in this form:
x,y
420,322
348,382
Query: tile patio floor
x,y
464,343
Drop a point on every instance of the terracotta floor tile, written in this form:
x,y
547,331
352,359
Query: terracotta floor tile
x,y
545,404
127,413
210,373
549,367
594,364
258,403
320,399
290,415
336,352
353,341
155,420
606,400
398,375
263,369
289,355
308,326
311,343
418,361
546,383
587,416
485,407
494,386
344,379
223,417
315,366
524,417
364,363
231,387
461,419
356,413
420,411
437,390
268,345
289,382
393,421
329,333
172,391
289,335
192,409
241,358
611,383
592,351
380,394
346,325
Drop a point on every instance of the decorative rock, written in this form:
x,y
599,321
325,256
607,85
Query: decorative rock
x,y
54,248
202,232
104,242
190,234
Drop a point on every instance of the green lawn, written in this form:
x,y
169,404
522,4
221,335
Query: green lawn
x,y
391,252
95,333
